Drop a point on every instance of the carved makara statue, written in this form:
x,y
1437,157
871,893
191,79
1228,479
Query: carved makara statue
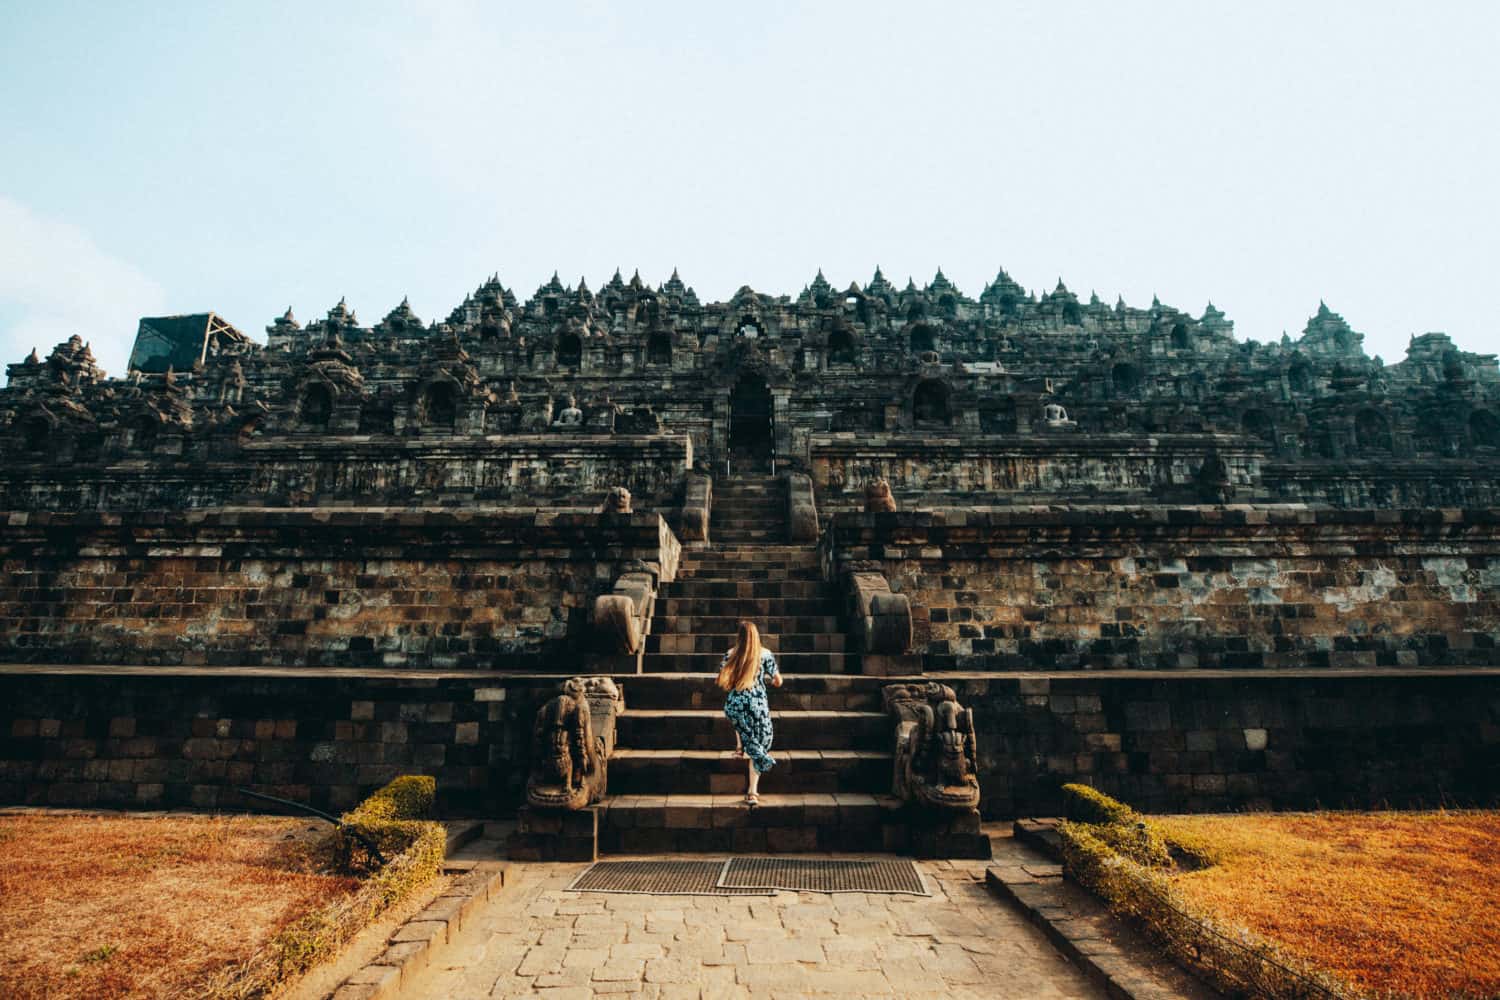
x,y
571,741
878,499
936,758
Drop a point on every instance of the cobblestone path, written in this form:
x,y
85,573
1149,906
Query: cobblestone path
x,y
538,939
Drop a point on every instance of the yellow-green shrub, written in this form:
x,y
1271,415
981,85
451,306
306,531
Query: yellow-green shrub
x,y
1086,804
1233,959
414,849
391,818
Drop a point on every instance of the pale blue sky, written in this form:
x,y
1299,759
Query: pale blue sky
x,y
166,157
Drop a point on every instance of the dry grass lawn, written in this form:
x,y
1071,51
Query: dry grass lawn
x,y
147,906
1404,904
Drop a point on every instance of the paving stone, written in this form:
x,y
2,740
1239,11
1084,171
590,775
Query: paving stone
x,y
789,944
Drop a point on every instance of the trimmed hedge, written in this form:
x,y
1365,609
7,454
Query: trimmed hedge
x,y
391,818
1123,859
394,818
1086,804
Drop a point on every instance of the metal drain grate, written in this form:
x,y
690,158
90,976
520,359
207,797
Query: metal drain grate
x,y
814,875
660,878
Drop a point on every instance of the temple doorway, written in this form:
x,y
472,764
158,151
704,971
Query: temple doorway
x,y
750,421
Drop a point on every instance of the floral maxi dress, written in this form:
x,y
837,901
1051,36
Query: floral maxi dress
x,y
750,714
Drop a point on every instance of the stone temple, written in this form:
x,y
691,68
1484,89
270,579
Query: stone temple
x,y
1106,543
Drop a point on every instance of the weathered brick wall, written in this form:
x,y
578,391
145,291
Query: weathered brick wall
x,y
1102,588
942,469
347,587
189,737
1166,742
557,469
1213,742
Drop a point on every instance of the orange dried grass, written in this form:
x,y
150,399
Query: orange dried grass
x,y
1398,904
178,897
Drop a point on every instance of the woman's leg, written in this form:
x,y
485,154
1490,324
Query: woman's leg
x,y
753,779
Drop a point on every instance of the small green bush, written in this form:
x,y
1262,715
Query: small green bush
x,y
1086,804
407,797
392,818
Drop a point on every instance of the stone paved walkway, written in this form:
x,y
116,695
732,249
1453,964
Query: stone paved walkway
x,y
538,939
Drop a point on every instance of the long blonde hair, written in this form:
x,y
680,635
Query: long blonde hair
x,y
738,672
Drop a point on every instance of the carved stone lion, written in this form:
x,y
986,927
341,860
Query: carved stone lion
x,y
878,499
616,501
571,740
936,758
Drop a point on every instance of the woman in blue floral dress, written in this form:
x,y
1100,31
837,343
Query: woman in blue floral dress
x,y
743,675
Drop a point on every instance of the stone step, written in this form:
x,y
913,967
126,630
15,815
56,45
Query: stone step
x,y
753,608
766,501
726,589
750,557
743,536
778,550
779,643
792,663
784,823
708,729
728,625
720,772
823,692
750,572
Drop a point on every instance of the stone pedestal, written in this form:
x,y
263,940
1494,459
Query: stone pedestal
x,y
949,835
555,836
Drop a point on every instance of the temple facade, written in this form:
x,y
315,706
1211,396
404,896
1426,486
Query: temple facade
x,y
997,545
1010,398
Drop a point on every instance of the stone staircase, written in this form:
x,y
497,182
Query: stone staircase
x,y
674,782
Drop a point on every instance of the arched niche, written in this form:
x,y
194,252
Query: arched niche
x,y
930,404
922,339
1299,376
840,348
1127,377
748,328
1257,424
315,408
751,416
36,434
1181,341
569,351
1372,432
438,406
659,349
1484,429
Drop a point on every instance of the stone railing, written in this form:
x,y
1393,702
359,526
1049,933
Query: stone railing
x,y
545,470
697,508
801,509
934,469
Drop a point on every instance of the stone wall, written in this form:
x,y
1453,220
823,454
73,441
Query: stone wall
x,y
935,469
1212,742
1247,588
553,470
1196,740
188,737
349,587
1407,483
